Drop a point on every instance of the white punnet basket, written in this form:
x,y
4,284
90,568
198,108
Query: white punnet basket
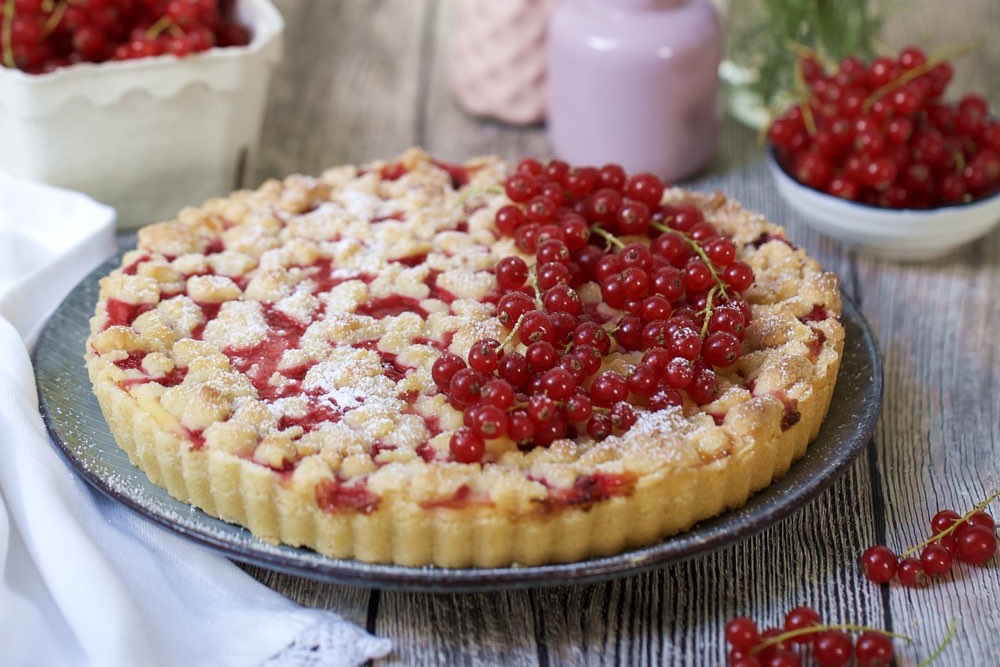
x,y
144,136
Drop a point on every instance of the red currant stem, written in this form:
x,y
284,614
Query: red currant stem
x,y
952,528
48,5
952,51
533,281
701,253
8,19
959,157
941,55
898,82
56,17
800,90
607,236
804,51
709,307
157,28
469,193
808,119
512,336
816,629
952,630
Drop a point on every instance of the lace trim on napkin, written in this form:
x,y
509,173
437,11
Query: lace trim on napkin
x,y
330,644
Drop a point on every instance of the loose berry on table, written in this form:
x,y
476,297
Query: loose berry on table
x,y
955,538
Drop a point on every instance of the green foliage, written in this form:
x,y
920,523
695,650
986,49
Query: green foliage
x,y
765,36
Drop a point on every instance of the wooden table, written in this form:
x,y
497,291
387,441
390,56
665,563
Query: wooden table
x,y
366,79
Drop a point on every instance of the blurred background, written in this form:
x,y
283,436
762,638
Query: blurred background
x,y
371,68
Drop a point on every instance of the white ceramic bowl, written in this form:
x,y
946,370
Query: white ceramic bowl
x,y
905,234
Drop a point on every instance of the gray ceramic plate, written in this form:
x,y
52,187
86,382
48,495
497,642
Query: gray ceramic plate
x,y
80,433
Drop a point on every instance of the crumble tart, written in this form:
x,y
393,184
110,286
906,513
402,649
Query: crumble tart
x,y
274,358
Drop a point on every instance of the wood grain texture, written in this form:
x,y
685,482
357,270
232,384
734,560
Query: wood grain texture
x,y
366,79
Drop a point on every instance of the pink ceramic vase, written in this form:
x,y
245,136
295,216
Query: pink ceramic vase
x,y
635,82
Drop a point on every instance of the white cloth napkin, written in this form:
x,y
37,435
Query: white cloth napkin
x,y
85,581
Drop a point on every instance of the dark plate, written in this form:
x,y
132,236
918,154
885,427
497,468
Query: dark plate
x,y
80,433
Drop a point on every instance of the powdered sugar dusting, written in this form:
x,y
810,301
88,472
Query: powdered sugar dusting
x,y
239,324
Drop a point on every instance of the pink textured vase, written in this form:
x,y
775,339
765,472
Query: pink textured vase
x,y
498,65
635,82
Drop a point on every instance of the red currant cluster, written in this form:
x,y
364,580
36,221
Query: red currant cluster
x,y
971,539
832,646
38,36
881,134
661,281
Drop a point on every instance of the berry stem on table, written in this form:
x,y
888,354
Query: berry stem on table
x,y
952,631
953,527
788,635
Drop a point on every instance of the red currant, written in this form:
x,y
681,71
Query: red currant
x,y
466,385
489,421
483,355
444,369
514,369
497,392
721,349
976,544
536,326
646,188
608,388
912,574
936,559
799,618
508,218
873,649
511,272
832,648
879,564
944,520
466,446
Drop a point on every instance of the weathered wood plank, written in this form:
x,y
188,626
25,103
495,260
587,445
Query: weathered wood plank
x,y
940,432
348,90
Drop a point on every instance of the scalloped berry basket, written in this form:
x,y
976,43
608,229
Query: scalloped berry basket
x,y
145,136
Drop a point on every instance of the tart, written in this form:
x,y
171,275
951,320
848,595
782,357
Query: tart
x,y
383,363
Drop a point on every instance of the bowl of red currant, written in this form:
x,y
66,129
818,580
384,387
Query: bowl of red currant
x,y
146,105
875,157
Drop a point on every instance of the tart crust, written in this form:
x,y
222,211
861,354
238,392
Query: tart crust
x,y
266,357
